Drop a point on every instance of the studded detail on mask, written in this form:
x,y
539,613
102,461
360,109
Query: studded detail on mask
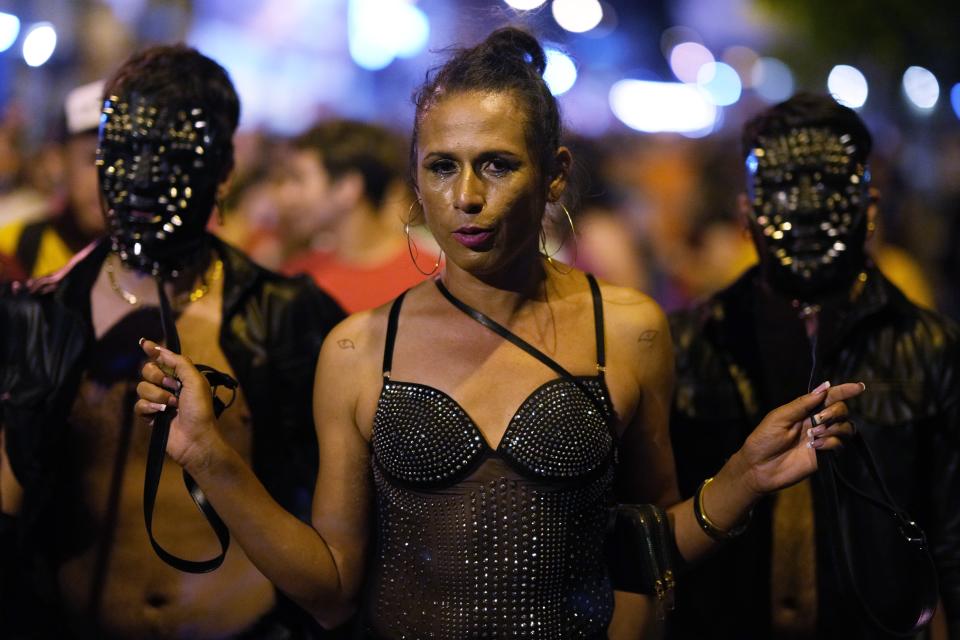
x,y
809,196
159,174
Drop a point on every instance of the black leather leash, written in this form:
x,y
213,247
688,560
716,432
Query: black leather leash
x,y
158,451
909,531
926,594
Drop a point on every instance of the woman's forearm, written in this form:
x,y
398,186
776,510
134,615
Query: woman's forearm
x,y
289,552
727,501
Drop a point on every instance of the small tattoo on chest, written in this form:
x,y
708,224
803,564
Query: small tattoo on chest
x,y
346,344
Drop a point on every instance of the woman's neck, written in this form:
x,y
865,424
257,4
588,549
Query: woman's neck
x,y
501,294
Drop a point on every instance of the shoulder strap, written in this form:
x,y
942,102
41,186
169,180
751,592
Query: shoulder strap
x,y
598,323
391,334
502,331
28,247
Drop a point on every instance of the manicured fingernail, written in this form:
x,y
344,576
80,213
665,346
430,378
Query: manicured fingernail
x,y
156,406
862,386
817,431
141,341
170,383
810,433
823,387
816,444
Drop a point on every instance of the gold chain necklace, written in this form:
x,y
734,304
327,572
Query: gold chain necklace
x,y
214,272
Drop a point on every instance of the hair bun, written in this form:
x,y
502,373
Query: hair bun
x,y
513,44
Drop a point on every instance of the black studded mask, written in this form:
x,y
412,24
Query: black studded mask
x,y
809,197
159,172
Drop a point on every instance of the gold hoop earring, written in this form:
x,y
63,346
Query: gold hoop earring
x,y
415,252
410,213
573,234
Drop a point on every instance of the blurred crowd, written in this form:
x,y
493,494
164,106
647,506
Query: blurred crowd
x,y
656,212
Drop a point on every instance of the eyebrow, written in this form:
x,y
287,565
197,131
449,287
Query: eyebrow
x,y
485,155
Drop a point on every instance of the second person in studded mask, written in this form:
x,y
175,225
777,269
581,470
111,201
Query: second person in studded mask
x,y
814,308
73,476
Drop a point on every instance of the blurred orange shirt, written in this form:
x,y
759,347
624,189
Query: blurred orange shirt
x,y
360,287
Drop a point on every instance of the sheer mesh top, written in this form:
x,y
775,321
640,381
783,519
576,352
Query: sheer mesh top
x,y
474,542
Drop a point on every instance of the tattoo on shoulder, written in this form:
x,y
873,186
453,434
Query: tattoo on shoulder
x,y
647,337
346,344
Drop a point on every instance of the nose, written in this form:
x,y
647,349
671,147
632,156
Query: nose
x,y
143,171
470,192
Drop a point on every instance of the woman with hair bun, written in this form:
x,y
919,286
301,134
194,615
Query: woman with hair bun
x,y
474,433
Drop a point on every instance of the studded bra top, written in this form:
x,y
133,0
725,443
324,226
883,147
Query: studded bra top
x,y
474,542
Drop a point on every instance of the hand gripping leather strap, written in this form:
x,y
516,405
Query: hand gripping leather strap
x,y
158,451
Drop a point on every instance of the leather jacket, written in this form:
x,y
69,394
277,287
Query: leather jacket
x,y
271,332
908,358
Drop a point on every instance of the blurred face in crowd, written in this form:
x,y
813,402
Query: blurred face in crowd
x,y
80,152
808,199
482,192
308,197
159,173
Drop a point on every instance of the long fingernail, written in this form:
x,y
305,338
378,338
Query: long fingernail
x,y
823,387
816,444
141,341
156,406
863,387
170,383
815,431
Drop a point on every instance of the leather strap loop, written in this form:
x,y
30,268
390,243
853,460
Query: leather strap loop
x,y
158,451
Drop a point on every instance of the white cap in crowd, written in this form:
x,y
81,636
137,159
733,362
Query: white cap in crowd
x,y
82,108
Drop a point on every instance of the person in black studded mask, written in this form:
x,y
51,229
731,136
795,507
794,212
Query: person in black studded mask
x,y
76,554
815,308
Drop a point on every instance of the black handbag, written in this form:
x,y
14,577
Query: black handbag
x,y
897,592
640,553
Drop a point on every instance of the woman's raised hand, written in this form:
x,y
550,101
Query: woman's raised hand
x,y
193,431
782,450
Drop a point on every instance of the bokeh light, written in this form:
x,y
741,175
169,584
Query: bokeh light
x,y
921,87
720,82
524,5
577,16
848,86
686,59
654,107
742,60
561,72
381,30
955,99
39,44
9,30
672,36
772,80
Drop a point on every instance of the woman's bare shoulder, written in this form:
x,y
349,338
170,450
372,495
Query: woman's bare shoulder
x,y
629,310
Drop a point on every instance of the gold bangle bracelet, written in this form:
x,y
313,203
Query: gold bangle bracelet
x,y
707,525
